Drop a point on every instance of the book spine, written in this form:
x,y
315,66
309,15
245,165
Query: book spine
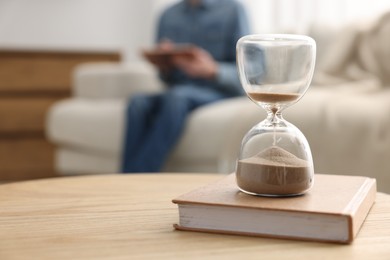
x,y
360,205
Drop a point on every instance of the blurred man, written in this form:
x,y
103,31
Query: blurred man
x,y
207,73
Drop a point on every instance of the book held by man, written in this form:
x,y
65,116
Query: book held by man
x,y
332,211
163,57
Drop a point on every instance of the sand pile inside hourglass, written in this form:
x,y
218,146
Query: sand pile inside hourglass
x,y
274,171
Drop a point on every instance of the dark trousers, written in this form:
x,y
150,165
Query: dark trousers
x,y
154,124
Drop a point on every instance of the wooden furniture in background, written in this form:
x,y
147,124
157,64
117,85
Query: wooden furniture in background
x,y
30,82
131,217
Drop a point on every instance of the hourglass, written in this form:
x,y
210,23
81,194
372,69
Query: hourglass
x,y
275,71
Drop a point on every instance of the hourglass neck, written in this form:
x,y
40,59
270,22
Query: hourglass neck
x,y
274,116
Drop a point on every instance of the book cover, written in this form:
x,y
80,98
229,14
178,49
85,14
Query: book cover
x,y
332,211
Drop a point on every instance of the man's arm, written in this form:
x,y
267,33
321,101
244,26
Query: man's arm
x,y
227,75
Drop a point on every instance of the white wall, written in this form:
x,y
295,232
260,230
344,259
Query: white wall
x,y
78,24
130,24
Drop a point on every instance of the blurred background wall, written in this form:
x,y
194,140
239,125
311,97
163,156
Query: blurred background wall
x,y
129,25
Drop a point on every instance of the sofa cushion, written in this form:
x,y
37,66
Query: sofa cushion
x,y
108,80
97,126
90,125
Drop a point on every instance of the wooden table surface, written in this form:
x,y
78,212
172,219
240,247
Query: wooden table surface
x,y
131,216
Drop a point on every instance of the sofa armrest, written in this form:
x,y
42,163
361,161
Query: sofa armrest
x,y
108,80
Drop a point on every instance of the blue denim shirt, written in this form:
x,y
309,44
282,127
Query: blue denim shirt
x,y
214,25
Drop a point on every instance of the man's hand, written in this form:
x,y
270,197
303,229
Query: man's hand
x,y
193,61
200,64
156,57
166,45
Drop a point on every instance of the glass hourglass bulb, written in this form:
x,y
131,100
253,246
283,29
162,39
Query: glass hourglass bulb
x,y
275,72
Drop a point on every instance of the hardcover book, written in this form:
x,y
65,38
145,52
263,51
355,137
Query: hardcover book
x,y
332,211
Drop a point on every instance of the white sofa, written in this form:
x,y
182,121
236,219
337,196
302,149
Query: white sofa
x,y
347,124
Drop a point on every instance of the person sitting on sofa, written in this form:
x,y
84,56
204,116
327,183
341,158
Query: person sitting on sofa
x,y
155,121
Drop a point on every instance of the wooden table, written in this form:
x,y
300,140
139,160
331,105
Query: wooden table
x,y
131,217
